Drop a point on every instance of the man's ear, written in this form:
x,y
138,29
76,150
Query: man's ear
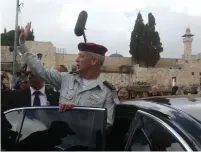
x,y
94,60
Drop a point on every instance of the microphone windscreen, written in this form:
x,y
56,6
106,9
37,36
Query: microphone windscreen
x,y
81,22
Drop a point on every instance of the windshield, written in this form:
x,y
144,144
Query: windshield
x,y
47,128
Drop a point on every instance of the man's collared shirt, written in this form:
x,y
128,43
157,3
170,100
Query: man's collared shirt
x,y
42,96
92,94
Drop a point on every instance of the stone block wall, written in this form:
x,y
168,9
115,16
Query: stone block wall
x,y
163,76
118,79
6,55
177,63
47,49
66,59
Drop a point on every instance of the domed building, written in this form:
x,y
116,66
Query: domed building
x,y
116,55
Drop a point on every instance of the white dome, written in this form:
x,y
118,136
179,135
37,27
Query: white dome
x,y
116,55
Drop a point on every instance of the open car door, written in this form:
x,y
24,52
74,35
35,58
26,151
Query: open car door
x,y
45,128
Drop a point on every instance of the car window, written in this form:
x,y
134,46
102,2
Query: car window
x,y
13,118
10,124
47,129
152,136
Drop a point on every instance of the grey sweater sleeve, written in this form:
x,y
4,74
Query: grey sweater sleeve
x,y
51,76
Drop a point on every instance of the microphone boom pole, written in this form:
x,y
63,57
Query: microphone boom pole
x,y
84,36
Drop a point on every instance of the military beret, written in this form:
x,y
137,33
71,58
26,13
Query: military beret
x,y
92,47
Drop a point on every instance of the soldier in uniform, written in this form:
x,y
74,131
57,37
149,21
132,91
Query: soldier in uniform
x,y
85,87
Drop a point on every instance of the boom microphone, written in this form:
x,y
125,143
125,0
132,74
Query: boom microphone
x,y
81,22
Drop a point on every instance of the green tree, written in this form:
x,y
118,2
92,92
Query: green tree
x,y
145,45
136,38
7,38
153,46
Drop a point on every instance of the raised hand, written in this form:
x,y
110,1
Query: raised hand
x,y
24,33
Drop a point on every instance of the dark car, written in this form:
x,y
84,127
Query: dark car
x,y
151,124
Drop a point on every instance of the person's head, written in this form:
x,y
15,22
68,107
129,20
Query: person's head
x,y
60,68
155,90
124,94
145,94
35,81
90,59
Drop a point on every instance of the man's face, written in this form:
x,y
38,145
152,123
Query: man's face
x,y
85,61
35,82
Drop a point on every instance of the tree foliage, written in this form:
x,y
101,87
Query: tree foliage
x,y
136,40
145,45
7,38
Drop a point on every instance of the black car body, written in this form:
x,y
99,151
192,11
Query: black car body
x,y
152,124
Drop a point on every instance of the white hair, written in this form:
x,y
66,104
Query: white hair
x,y
101,58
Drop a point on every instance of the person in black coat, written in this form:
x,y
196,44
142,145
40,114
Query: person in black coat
x,y
36,95
174,90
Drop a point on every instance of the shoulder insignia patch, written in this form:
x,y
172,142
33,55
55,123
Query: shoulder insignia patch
x,y
109,85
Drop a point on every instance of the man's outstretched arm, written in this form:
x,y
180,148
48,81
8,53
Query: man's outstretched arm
x,y
51,76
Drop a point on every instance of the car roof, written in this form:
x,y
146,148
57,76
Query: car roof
x,y
189,104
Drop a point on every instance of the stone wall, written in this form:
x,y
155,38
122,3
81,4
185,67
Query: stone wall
x,y
163,76
177,63
118,79
47,49
66,59
167,63
6,55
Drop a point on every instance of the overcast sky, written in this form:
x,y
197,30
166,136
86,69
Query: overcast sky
x,y
110,22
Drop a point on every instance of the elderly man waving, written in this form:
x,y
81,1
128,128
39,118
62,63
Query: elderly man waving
x,y
83,88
